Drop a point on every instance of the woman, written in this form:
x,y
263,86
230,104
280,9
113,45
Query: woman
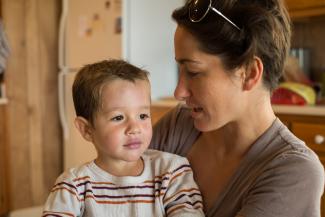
x,y
231,55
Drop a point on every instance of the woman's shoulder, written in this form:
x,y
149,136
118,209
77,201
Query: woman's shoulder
x,y
291,153
284,169
297,150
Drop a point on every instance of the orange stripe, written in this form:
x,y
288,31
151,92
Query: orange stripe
x,y
188,170
64,188
101,183
87,177
183,206
80,178
183,190
65,213
165,174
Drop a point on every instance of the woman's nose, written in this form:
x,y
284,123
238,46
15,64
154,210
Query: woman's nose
x,y
181,91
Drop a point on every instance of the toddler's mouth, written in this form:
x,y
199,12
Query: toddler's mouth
x,y
132,145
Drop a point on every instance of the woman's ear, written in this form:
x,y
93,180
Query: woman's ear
x,y
254,74
84,127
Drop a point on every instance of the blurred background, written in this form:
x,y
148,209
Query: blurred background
x,y
44,42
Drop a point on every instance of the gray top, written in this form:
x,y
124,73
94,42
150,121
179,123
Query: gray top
x,y
279,177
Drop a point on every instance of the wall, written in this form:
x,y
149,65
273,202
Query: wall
x,y
148,36
33,124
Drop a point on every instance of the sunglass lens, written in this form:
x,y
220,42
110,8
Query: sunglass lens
x,y
198,9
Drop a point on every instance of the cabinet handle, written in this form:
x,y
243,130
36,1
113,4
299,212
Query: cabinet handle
x,y
319,139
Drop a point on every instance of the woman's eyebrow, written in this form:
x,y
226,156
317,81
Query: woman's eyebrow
x,y
186,60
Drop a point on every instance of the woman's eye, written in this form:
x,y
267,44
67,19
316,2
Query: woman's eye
x,y
191,74
144,116
118,118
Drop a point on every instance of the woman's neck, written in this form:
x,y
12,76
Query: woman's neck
x,y
236,137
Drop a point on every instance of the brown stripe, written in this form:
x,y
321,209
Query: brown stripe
x,y
119,202
64,188
170,173
103,196
183,206
183,190
188,170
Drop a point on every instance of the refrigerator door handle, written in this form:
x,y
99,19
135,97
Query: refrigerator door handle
x,y
62,105
63,70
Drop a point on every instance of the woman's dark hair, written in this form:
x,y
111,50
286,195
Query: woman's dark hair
x,y
265,32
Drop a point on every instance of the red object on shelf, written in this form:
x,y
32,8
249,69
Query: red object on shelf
x,y
283,96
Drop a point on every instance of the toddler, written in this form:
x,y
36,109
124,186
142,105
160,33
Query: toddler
x,y
112,103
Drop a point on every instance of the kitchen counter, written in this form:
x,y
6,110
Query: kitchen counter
x,y
300,110
279,109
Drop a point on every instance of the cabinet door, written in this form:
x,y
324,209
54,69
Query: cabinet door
x,y
313,134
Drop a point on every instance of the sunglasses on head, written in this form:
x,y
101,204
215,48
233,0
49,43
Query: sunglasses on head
x,y
198,9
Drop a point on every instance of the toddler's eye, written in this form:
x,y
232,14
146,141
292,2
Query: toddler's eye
x,y
118,118
144,116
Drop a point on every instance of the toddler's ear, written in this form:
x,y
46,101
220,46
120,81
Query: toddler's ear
x,y
84,128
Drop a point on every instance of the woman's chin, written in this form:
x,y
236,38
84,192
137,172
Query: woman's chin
x,y
201,126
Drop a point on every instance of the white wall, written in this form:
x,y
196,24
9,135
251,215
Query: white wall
x,y
148,31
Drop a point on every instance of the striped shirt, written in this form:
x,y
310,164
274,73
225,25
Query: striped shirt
x,y
165,188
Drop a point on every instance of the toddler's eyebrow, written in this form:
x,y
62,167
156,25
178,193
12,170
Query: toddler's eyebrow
x,y
123,107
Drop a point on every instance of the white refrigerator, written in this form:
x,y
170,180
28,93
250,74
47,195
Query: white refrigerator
x,y
140,31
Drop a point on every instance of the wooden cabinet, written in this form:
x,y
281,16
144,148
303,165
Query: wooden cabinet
x,y
305,8
4,188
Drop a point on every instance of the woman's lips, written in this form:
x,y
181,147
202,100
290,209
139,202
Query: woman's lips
x,y
196,112
197,109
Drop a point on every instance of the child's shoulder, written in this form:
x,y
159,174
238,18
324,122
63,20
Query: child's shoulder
x,y
75,173
164,160
156,154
